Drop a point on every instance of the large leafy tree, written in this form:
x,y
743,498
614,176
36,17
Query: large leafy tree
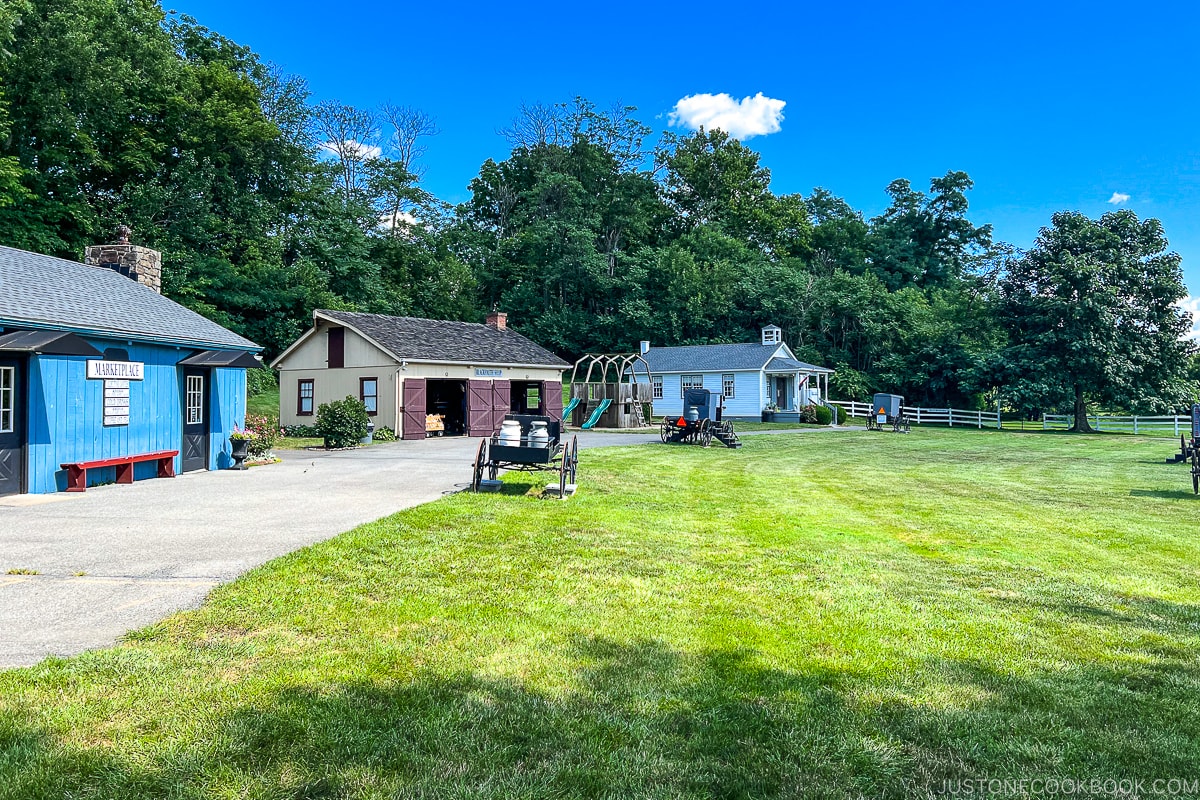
x,y
1091,317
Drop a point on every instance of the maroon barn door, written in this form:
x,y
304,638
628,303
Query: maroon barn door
x,y
552,399
501,402
414,408
479,408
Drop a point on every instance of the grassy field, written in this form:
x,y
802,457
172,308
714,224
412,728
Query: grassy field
x,y
821,615
265,404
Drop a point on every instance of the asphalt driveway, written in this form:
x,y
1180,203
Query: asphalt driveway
x,y
117,558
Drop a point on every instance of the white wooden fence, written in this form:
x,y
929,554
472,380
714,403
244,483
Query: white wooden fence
x,y
930,416
1122,424
1160,426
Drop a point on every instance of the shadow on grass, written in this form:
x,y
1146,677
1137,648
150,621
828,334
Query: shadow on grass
x,y
641,719
1165,494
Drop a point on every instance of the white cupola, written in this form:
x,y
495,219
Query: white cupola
x,y
772,334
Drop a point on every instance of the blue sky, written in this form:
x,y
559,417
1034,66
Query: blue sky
x,y
1047,105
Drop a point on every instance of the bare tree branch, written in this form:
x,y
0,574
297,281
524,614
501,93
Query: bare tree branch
x,y
408,127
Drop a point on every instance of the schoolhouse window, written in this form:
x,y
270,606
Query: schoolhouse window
x,y
304,398
690,382
656,392
368,391
727,385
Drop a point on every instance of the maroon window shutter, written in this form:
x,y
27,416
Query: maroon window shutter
x,y
337,348
414,408
552,405
479,408
501,402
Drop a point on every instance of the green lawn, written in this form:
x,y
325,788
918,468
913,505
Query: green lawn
x,y
265,404
823,615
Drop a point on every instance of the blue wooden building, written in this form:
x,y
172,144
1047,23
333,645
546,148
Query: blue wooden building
x,y
747,377
96,365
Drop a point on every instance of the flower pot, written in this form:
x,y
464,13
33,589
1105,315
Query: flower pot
x,y
239,449
768,416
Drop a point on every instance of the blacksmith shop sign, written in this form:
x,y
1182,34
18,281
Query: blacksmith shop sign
x,y
481,372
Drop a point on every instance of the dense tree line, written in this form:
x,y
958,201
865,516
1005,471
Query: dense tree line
x,y
593,233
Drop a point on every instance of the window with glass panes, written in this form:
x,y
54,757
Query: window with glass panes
x,y
304,397
8,382
656,392
727,389
690,382
368,392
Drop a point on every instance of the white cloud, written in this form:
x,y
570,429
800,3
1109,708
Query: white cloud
x,y
402,219
364,152
1118,198
741,119
1192,306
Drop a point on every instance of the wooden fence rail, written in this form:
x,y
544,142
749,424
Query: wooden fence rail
x,y
930,416
1116,423
1113,423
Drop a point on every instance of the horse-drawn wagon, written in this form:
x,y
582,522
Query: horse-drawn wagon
x,y
527,443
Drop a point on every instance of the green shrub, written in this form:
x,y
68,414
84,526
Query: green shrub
x,y
343,422
384,434
823,414
300,431
266,434
260,381
842,416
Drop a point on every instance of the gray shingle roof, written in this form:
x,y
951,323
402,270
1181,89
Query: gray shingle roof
x,y
44,291
709,357
791,365
442,340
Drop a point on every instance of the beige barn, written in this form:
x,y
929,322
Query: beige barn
x,y
414,374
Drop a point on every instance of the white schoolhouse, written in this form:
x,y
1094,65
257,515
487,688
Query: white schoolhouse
x,y
748,377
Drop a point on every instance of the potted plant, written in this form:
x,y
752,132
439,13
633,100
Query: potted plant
x,y
239,444
768,414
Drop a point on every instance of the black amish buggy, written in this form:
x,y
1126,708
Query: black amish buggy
x,y
888,409
699,423
529,453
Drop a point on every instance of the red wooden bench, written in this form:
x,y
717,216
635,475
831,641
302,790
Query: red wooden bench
x,y
77,472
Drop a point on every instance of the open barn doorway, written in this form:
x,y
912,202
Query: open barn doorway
x,y
527,397
448,399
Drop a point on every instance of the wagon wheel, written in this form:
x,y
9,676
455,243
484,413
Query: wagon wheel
x,y
706,433
574,457
564,467
664,432
480,460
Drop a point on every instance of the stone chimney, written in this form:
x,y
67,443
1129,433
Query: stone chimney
x,y
497,320
138,263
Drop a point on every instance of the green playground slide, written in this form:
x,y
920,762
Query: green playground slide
x,y
595,417
570,407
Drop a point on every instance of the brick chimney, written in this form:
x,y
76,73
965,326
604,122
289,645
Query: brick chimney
x,y
138,263
498,320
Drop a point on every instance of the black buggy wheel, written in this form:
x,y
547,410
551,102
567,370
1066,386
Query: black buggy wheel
x,y
480,460
574,457
664,431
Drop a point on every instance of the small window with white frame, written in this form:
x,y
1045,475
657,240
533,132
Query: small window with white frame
x,y
8,399
656,392
727,386
690,382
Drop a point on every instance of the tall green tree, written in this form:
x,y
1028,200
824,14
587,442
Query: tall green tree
x,y
1091,317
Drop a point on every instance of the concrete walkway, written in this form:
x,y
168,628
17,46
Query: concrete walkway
x,y
117,558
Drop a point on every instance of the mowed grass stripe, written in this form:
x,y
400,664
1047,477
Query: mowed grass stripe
x,y
819,615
